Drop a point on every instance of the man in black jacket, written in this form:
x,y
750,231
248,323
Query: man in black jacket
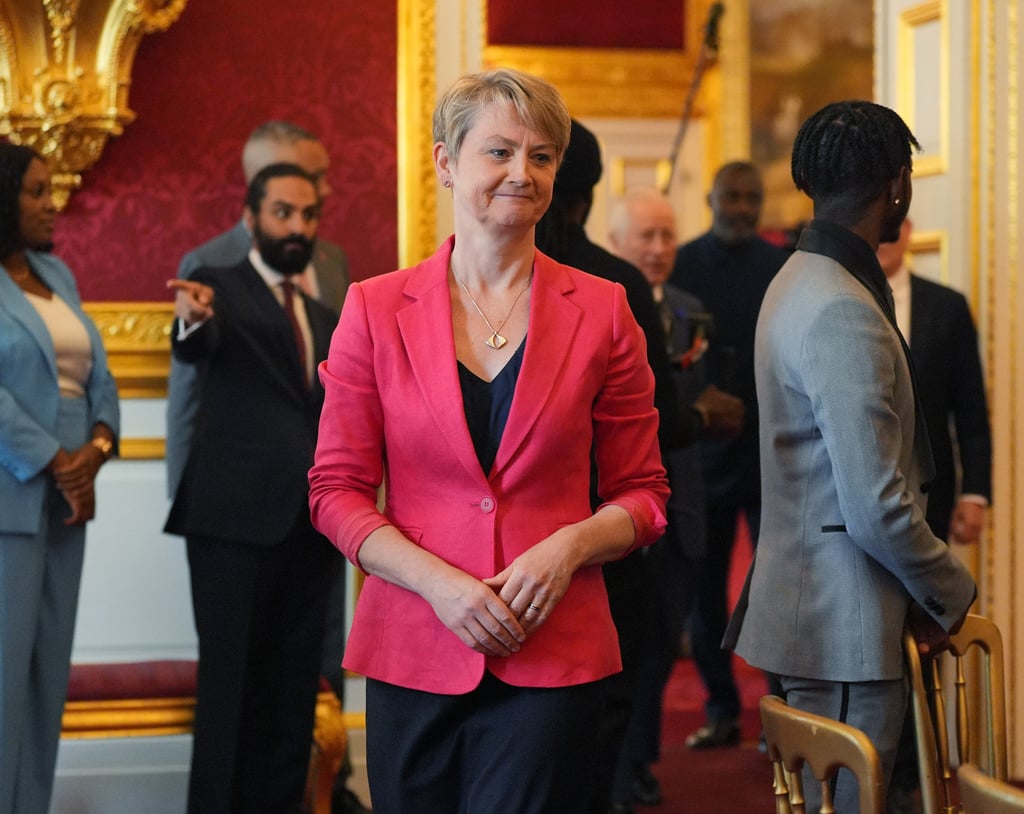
x,y
260,573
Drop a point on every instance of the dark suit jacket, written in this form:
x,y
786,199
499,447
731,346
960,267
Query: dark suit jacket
x,y
679,425
944,347
228,249
245,477
730,279
685,478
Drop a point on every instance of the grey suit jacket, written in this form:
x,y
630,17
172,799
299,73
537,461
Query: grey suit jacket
x,y
226,250
844,547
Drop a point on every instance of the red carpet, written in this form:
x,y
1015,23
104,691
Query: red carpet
x,y
715,781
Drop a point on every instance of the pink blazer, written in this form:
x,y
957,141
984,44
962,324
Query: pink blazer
x,y
394,412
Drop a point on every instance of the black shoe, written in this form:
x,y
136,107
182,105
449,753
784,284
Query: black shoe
x,y
715,736
344,801
621,808
644,786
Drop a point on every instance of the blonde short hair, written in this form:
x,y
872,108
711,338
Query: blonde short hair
x,y
536,101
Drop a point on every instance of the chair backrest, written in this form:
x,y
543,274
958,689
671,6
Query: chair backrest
x,y
795,738
981,794
977,709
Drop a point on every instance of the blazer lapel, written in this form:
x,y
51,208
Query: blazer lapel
x,y
425,328
17,304
554,322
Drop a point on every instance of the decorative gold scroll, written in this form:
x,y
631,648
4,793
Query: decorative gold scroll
x,y
65,70
136,336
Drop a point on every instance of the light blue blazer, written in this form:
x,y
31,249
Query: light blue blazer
x,y
29,394
844,548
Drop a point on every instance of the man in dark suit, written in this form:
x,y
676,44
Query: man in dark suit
x,y
937,324
326,279
260,573
642,231
728,268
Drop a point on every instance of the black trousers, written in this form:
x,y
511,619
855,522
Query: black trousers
x,y
499,748
259,614
710,614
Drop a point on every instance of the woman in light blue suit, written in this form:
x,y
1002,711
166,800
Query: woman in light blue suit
x,y
58,424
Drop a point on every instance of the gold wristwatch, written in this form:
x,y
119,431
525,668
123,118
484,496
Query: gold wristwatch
x,y
105,446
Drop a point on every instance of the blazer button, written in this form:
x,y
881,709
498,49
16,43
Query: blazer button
x,y
487,505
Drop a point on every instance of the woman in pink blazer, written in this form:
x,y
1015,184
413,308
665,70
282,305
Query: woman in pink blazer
x,y
480,385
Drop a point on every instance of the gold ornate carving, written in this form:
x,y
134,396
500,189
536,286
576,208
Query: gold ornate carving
x,y
329,730
136,336
65,70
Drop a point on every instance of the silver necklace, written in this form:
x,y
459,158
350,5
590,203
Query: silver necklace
x,y
495,340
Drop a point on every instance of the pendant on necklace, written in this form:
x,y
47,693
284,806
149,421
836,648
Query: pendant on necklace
x,y
496,341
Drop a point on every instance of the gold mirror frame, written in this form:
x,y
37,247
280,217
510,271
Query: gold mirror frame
x,y
65,71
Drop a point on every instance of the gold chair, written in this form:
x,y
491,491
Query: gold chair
x,y
795,737
982,794
977,709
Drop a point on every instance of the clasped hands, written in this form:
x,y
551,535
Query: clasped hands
x,y
74,473
495,616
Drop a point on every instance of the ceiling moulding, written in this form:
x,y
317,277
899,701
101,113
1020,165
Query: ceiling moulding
x,y
65,71
629,83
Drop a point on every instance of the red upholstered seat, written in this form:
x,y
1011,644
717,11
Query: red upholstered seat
x,y
113,681
169,678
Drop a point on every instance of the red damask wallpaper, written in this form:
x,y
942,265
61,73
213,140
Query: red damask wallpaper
x,y
644,24
174,178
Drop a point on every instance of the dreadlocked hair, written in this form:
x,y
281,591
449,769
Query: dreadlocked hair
x,y
848,151
14,161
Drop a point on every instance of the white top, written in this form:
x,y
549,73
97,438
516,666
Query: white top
x,y
70,342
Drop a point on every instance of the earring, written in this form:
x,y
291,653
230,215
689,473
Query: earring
x,y
447,183
896,202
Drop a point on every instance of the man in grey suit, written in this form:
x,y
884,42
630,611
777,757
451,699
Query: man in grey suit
x,y
845,557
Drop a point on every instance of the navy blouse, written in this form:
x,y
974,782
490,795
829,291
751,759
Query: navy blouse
x,y
487,405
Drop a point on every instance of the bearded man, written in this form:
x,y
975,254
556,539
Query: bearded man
x,y
260,574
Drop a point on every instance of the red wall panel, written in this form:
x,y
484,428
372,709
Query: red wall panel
x,y
645,24
174,178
